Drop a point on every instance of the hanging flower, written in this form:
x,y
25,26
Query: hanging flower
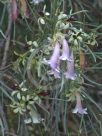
x,y
70,74
65,51
79,109
14,10
54,60
37,1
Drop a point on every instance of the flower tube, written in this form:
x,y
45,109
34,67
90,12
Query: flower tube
x,y
78,108
65,51
14,10
70,74
54,60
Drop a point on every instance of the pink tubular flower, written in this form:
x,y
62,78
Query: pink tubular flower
x,y
65,51
70,74
79,109
54,60
14,10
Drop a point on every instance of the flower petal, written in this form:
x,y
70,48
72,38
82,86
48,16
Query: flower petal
x,y
55,73
66,52
37,1
78,108
54,60
80,111
70,74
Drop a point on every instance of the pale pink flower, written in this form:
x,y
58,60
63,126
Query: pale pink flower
x,y
70,74
65,51
78,108
54,60
14,10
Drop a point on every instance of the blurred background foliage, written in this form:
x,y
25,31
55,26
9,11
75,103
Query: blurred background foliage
x,y
32,103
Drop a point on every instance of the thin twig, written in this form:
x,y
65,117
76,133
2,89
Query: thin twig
x,y
2,115
8,34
